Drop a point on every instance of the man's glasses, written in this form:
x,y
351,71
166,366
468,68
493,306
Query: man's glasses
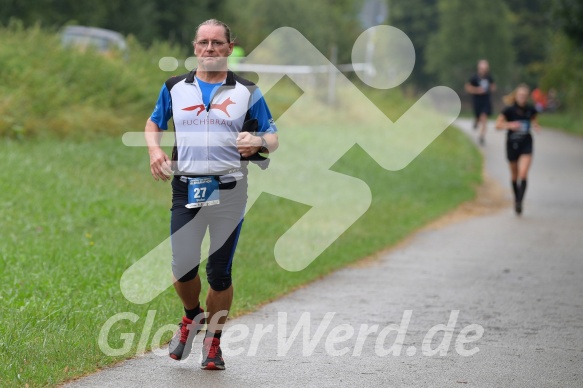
x,y
205,43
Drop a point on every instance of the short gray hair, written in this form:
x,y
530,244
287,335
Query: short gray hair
x,y
215,22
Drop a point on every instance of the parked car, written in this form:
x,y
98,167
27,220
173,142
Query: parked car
x,y
106,42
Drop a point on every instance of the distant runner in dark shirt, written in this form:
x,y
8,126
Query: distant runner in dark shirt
x,y
481,85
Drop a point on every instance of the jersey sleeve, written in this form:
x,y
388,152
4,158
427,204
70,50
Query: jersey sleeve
x,y
259,110
507,113
163,109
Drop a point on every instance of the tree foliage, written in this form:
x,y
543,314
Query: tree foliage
x,y
563,71
567,15
324,22
148,20
531,38
418,19
529,41
469,31
563,68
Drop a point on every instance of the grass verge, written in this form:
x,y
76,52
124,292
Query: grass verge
x,y
568,122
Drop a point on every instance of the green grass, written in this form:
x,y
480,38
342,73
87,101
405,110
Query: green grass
x,y
76,215
568,122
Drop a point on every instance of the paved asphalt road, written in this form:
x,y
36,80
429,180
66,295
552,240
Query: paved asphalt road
x,y
520,279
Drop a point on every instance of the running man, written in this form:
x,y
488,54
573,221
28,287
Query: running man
x,y
221,123
519,117
481,86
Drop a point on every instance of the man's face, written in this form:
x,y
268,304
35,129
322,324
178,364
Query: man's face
x,y
211,48
483,67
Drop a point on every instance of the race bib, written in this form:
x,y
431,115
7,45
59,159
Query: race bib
x,y
203,191
524,126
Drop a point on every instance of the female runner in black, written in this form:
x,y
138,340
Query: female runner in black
x,y
519,117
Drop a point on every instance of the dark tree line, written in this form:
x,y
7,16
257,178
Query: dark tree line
x,y
148,20
525,40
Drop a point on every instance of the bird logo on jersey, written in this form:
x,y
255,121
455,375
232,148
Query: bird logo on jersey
x,y
222,107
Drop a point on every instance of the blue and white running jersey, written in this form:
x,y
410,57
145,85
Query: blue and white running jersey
x,y
206,134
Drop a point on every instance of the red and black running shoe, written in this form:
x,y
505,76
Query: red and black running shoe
x,y
181,344
212,355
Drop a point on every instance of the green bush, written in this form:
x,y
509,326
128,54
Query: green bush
x,y
48,89
564,72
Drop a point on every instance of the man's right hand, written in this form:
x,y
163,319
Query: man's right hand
x,y
160,164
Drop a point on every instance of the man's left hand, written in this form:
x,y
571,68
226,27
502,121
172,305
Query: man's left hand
x,y
248,144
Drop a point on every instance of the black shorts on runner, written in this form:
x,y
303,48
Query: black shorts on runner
x,y
518,146
482,106
189,226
